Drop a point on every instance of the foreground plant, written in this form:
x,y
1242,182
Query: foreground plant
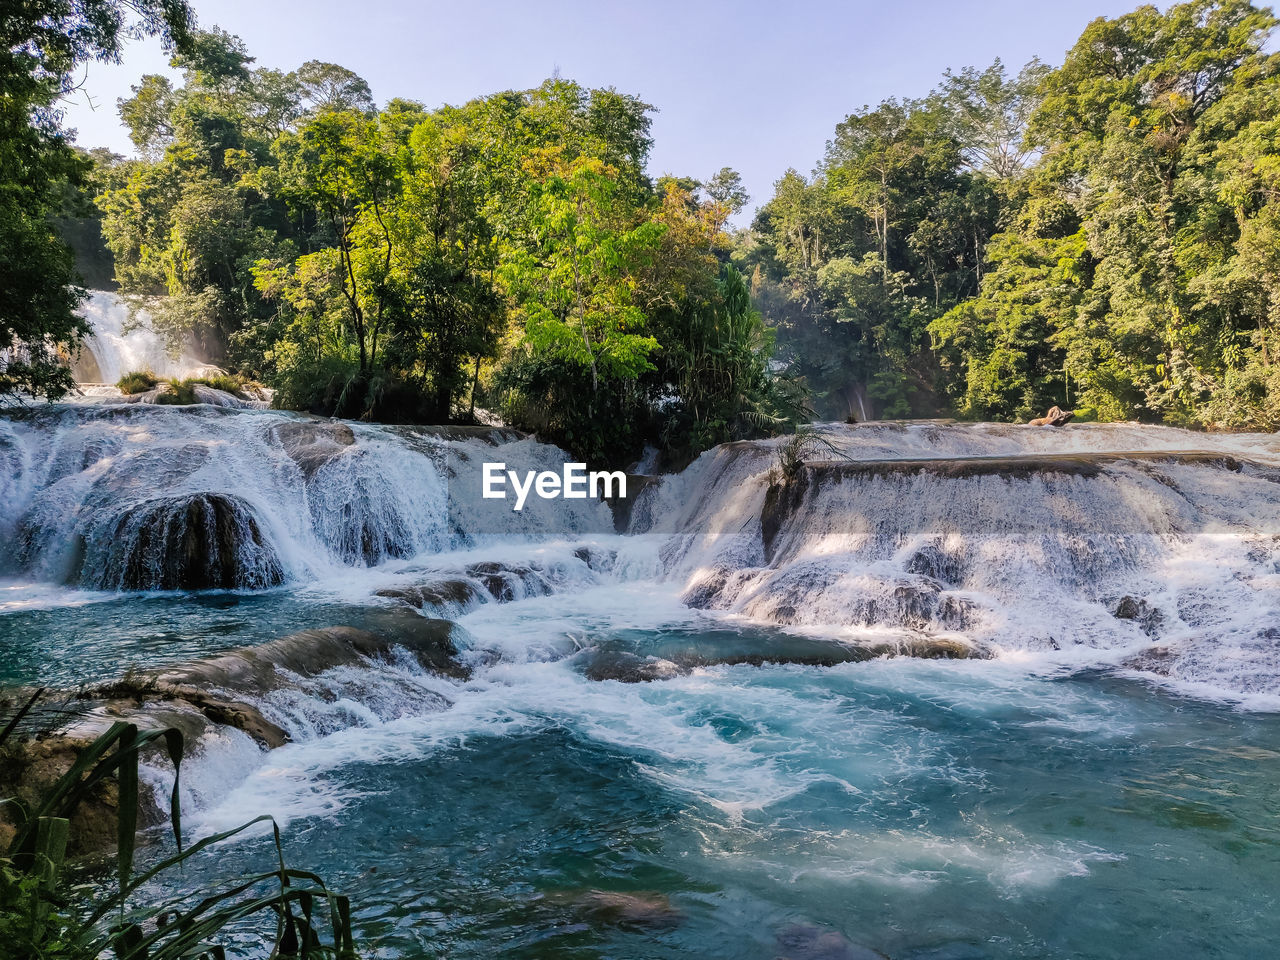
x,y
36,920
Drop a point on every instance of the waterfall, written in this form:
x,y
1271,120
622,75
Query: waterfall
x,y
142,497
1152,547
121,343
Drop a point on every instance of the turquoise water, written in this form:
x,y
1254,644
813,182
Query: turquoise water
x,y
918,809
1037,805
99,636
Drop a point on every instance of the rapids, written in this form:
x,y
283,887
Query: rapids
x,y
1098,779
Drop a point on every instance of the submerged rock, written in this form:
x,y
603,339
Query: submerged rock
x,y
199,541
644,909
804,941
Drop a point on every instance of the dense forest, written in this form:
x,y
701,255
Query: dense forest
x,y
1102,235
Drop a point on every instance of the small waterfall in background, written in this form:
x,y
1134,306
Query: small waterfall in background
x,y
123,343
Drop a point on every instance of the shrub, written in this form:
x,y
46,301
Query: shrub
x,y
184,391
224,382
799,448
181,394
139,381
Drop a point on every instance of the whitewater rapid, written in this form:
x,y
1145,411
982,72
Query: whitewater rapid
x,y
698,694
1149,548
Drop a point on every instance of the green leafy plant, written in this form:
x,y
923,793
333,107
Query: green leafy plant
x,y
138,381
37,922
803,445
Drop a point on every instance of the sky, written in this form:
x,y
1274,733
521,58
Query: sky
x,y
754,85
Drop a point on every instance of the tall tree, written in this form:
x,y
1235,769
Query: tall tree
x,y
42,42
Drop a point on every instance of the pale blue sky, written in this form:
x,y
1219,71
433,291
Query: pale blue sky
x,y
757,86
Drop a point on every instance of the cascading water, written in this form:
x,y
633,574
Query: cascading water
x,y
1135,541
123,341
779,788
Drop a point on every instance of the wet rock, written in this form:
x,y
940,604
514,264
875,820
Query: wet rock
x,y
803,941
218,398
28,771
177,705
195,698
937,564
629,667
680,657
152,396
257,670
1139,611
313,443
1159,660
781,502
477,583
651,911
598,560
448,595
703,593
199,541
929,648
506,582
955,612
622,507
1056,417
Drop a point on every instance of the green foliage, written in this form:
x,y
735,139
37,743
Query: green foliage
x,y
802,446
398,264
1139,277
38,923
183,392
851,267
573,287
139,381
43,43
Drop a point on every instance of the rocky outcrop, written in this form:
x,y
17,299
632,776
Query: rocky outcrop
x,y
196,698
199,541
622,507
488,581
1056,417
313,443
254,671
683,657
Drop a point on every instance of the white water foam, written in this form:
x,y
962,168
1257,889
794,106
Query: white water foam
x,y
123,341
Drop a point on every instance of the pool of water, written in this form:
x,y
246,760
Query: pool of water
x,y
905,808
67,638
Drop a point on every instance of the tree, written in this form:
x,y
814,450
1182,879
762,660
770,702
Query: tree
x,y
574,285
329,87
727,194
988,113
43,42
1136,262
